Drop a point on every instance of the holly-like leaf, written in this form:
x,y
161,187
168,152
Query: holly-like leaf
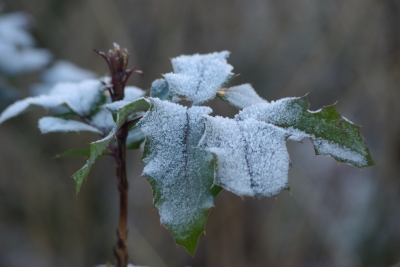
x,y
159,89
331,133
240,96
75,152
198,77
251,156
97,148
82,98
52,124
180,174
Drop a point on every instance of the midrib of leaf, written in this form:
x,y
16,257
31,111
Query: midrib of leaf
x,y
183,198
246,149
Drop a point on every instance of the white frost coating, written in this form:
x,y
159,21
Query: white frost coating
x,y
182,173
80,97
241,96
52,124
198,77
324,147
252,159
65,71
296,134
20,106
273,112
103,120
133,93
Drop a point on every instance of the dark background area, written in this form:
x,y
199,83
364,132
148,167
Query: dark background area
x,y
336,215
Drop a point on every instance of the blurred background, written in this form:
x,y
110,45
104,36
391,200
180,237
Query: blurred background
x,y
344,51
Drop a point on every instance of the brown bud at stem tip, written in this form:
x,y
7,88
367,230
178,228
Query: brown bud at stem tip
x,y
117,60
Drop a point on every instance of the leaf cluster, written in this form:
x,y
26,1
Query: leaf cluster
x,y
191,156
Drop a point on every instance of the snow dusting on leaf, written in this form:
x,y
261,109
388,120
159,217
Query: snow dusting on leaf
x,y
198,77
133,93
251,156
180,174
103,120
21,106
331,133
240,96
52,124
159,89
82,97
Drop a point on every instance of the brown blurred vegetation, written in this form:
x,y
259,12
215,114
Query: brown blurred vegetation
x,y
335,215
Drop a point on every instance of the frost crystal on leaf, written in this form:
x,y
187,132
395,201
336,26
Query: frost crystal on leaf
x,y
240,96
81,98
52,124
251,156
331,133
198,77
181,175
159,89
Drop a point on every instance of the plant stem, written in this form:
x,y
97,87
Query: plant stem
x,y
120,249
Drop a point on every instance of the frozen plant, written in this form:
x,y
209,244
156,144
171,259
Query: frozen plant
x,y
191,156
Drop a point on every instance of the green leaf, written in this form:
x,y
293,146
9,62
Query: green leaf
x,y
331,133
97,148
75,152
198,77
180,174
240,96
251,156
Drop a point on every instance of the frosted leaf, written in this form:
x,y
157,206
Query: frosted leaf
x,y
331,133
240,96
103,120
251,156
133,93
16,60
52,124
65,71
97,148
159,89
14,29
21,106
82,97
180,174
198,77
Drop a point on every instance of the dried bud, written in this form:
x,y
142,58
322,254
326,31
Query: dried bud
x,y
117,60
